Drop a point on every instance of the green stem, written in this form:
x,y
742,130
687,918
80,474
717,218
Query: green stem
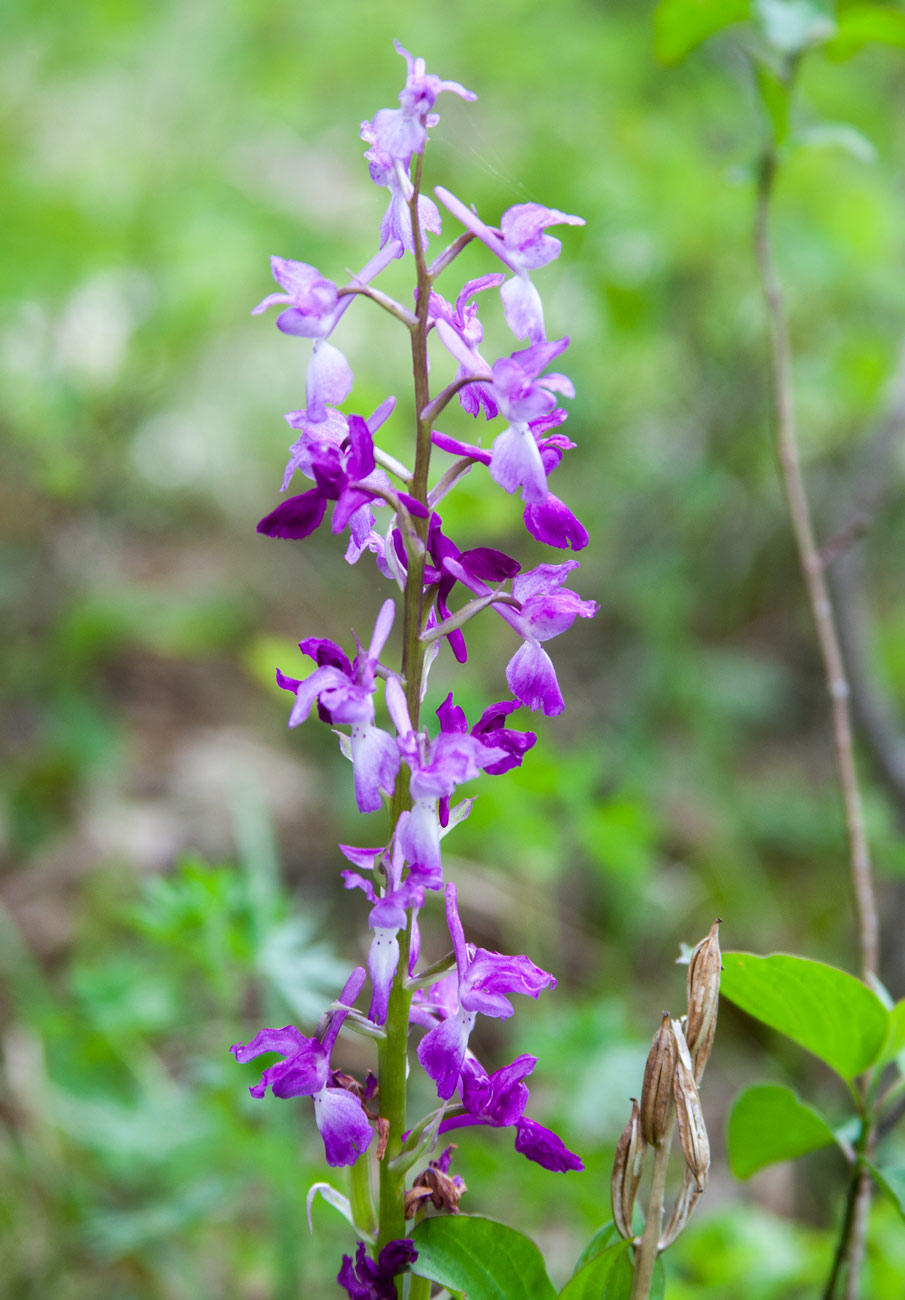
x,y
392,1052
419,1288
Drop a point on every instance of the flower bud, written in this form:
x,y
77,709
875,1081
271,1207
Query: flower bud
x,y
689,1115
703,995
657,1089
627,1165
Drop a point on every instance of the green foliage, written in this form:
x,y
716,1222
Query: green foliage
x,y
769,1122
823,1009
604,1270
485,1259
680,25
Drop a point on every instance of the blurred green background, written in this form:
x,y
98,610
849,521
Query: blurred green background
x,y
169,863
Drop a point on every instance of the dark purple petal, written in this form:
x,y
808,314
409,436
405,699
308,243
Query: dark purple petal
x,y
553,523
323,651
442,1051
452,718
488,565
544,1147
296,518
457,448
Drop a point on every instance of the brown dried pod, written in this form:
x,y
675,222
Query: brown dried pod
x,y
689,1115
703,996
657,1089
681,1211
627,1166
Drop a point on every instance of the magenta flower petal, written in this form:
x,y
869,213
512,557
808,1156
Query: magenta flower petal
x,y
342,1124
544,1147
531,677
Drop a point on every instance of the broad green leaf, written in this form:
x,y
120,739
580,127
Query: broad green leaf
x,y
769,1123
824,1009
680,25
892,1181
860,24
602,1239
791,26
895,1039
485,1259
608,1276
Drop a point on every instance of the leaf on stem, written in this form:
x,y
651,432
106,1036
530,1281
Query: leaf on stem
x,y
769,1123
485,1259
680,25
823,1009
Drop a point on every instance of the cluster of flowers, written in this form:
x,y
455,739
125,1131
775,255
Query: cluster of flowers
x,y
337,453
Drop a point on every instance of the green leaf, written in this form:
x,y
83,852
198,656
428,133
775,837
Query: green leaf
x,y
608,1276
791,26
602,1239
895,1038
892,1181
861,24
769,1123
680,25
824,1009
774,93
486,1259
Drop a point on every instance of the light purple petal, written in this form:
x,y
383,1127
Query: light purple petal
x,y
383,958
523,309
517,464
375,759
329,379
343,1125
442,1051
531,677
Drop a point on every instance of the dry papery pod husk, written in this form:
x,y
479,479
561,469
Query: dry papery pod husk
x,y
689,1115
681,1211
703,985
630,1150
657,1088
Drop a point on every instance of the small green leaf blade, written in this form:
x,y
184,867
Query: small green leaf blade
x,y
608,1276
895,1038
892,1182
602,1239
859,25
823,1009
485,1259
680,25
769,1123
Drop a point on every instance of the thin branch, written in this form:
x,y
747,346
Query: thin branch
x,y
850,1249
449,254
812,570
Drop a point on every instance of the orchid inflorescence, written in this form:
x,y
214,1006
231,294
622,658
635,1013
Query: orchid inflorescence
x,y
441,587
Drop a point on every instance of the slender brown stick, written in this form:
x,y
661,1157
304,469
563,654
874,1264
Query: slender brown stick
x,y
649,1247
854,1230
812,569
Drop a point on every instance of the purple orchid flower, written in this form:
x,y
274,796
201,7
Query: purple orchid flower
x,y
389,173
462,333
388,916
523,398
547,609
400,132
482,562
313,310
437,767
305,1072
345,694
484,979
489,730
498,1100
522,245
370,1279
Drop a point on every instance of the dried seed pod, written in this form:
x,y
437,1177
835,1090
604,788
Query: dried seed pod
x,y
627,1167
689,1115
703,996
681,1211
657,1089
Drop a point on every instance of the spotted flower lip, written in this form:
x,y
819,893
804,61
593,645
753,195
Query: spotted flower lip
x,y
305,1072
485,981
